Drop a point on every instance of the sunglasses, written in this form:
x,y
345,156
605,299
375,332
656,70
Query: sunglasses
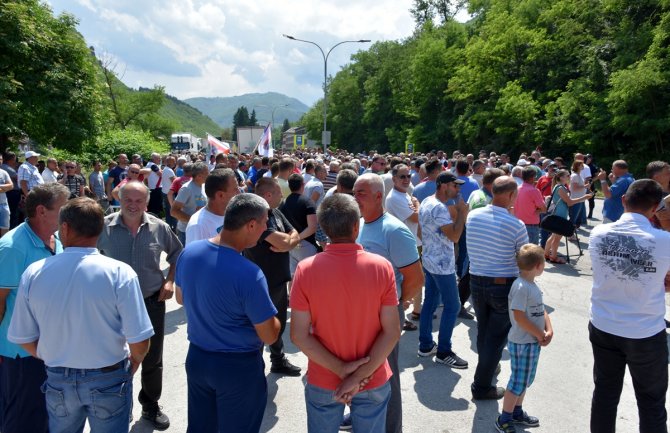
x,y
404,176
134,172
69,167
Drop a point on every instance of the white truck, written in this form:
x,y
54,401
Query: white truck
x,y
185,142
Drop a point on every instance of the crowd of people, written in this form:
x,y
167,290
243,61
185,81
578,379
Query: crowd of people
x,y
382,240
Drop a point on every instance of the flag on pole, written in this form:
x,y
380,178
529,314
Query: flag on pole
x,y
217,146
264,144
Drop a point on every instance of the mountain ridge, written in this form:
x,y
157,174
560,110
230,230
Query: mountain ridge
x,y
221,109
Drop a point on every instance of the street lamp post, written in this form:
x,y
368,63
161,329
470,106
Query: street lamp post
x,y
325,137
272,115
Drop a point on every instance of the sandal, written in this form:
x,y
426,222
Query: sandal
x,y
547,257
414,316
557,260
409,326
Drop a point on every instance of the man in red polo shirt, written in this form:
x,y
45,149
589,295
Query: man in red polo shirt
x,y
347,358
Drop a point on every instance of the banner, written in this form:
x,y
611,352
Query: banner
x,y
264,144
217,146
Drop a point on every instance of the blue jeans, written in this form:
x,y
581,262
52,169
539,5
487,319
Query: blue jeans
x,y
533,234
436,285
73,395
368,410
227,392
489,298
462,258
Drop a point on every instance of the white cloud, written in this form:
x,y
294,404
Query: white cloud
x,y
226,47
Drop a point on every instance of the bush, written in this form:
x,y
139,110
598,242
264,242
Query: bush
x,y
111,143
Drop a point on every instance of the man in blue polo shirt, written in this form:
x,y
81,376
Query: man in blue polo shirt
x,y
21,375
382,233
621,180
229,319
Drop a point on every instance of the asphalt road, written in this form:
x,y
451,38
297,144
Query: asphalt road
x,y
435,397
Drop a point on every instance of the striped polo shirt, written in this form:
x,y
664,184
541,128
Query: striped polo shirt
x,y
493,238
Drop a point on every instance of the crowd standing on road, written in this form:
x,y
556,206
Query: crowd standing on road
x,y
332,236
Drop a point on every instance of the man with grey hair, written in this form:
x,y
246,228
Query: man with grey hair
x,y
494,236
191,198
138,238
229,320
353,372
21,375
383,234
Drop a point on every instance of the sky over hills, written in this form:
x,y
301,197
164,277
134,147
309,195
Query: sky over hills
x,y
219,48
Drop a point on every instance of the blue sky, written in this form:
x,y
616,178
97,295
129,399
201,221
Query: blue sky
x,y
225,48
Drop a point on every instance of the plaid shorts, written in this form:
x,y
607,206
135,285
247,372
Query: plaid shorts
x,y
524,359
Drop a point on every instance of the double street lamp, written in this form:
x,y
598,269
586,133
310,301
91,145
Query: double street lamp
x,y
325,136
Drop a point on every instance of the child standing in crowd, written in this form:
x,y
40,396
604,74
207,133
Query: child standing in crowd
x,y
531,328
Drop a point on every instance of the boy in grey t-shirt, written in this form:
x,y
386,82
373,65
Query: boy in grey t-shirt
x,y
531,328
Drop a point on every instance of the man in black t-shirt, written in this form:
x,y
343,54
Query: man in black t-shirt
x,y
301,213
271,254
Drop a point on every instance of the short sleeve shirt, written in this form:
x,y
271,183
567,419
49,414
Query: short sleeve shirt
x,y
296,208
19,248
222,312
4,179
30,174
525,296
391,239
274,265
344,281
82,307
193,197
630,260
399,204
613,207
527,202
438,250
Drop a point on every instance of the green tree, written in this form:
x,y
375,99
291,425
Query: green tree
x,y
285,126
48,85
241,118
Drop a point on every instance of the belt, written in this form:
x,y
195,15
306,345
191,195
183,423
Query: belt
x,y
114,367
495,280
532,225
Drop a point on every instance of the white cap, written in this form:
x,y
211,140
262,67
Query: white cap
x,y
30,154
522,163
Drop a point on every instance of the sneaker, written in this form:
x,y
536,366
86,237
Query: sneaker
x,y
464,314
526,420
284,367
493,393
452,360
507,427
427,353
157,418
346,423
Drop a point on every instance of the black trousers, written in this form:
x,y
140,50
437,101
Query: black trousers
x,y
13,200
279,297
152,366
22,405
155,205
647,361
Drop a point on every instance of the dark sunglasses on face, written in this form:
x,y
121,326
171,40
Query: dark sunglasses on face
x,y
404,176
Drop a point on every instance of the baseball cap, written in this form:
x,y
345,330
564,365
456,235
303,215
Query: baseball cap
x,y
30,154
522,162
446,177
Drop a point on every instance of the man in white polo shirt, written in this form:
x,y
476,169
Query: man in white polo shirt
x,y
83,314
630,261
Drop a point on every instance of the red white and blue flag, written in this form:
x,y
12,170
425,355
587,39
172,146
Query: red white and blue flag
x,y
264,144
217,146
